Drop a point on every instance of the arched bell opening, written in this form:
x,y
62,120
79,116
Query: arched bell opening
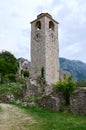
x,y
51,25
38,25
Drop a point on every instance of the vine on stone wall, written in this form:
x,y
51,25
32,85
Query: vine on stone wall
x,y
41,79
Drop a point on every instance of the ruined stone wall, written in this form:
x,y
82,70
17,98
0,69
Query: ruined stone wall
x,y
33,89
24,64
53,101
78,101
49,99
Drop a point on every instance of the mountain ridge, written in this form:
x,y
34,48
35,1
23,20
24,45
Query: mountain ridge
x,y
76,68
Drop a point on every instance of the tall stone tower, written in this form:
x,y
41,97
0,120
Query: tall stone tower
x,y
45,48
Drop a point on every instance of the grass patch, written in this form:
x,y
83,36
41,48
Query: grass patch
x,y
50,120
11,89
0,109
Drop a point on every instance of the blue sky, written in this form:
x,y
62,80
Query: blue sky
x,y
16,15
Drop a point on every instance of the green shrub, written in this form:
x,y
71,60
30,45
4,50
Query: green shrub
x,y
21,80
41,79
25,73
6,79
1,110
14,89
66,86
9,78
12,77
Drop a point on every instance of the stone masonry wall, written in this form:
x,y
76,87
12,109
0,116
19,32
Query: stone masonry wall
x,y
53,101
78,101
45,49
49,99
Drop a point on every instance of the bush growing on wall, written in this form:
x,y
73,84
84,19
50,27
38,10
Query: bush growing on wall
x,y
41,79
66,87
25,73
21,80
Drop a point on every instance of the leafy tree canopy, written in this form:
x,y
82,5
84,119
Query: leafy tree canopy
x,y
8,63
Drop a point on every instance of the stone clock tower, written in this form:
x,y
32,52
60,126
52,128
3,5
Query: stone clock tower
x,y
45,48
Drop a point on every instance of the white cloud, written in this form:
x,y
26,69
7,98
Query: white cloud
x,y
16,15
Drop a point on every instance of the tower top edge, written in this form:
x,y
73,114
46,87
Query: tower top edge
x,y
43,15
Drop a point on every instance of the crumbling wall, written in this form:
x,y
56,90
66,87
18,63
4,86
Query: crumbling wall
x,y
78,101
49,99
52,101
33,89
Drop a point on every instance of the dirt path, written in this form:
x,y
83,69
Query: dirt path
x,y
13,118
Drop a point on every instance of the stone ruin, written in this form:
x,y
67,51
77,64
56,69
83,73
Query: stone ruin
x,y
45,53
78,101
24,64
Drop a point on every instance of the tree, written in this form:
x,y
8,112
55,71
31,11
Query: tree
x,y
66,86
25,73
8,64
3,66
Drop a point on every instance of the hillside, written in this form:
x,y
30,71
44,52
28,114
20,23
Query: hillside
x,y
76,68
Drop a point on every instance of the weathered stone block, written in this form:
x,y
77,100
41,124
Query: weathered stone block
x,y
78,101
51,102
